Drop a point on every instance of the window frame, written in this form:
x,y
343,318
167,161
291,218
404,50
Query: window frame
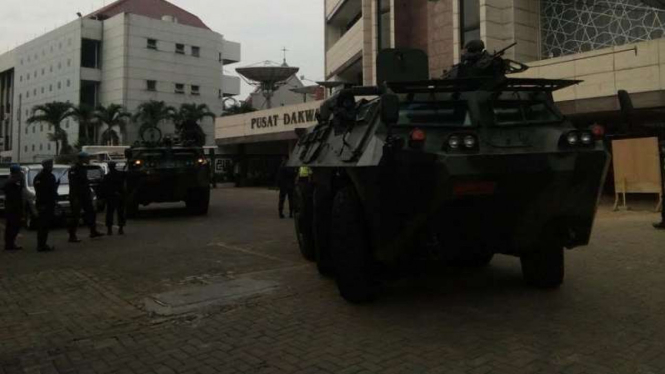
x,y
179,49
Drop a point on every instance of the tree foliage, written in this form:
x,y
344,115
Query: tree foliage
x,y
53,114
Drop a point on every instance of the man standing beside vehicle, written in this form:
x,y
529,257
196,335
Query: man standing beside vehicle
x,y
46,195
114,190
80,199
13,207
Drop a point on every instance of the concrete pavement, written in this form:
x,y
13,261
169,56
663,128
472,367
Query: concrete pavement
x,y
85,308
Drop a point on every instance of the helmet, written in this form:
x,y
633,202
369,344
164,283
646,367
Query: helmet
x,y
83,155
14,168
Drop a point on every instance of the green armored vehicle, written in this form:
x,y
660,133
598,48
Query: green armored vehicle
x,y
456,170
160,174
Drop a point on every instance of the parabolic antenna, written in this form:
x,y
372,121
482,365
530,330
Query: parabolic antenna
x,y
268,77
330,85
306,90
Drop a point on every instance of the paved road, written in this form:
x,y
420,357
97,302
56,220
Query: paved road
x,y
108,306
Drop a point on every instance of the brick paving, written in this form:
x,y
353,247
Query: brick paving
x,y
79,310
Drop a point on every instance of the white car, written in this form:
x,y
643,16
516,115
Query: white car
x,y
62,208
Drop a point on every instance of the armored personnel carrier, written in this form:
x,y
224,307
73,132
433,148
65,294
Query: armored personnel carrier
x,y
164,173
456,169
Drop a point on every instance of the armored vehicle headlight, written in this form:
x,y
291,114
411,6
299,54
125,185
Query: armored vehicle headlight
x,y
470,141
573,138
454,142
586,138
138,162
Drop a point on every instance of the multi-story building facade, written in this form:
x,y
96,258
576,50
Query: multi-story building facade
x,y
609,44
126,53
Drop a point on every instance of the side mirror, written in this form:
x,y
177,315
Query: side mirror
x,y
389,109
128,154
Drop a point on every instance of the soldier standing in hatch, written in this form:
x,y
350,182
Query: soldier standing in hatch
x,y
46,191
13,207
114,188
286,181
80,198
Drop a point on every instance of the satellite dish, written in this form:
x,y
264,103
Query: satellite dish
x,y
306,90
268,78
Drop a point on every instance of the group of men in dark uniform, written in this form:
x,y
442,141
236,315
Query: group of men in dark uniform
x,y
80,199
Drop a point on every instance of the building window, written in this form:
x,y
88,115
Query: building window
x,y
219,94
43,71
90,53
27,94
41,128
220,56
196,90
69,62
34,92
59,85
20,78
179,88
59,65
41,147
180,49
50,88
26,131
50,69
33,147
69,83
48,146
469,20
25,149
152,44
42,89
151,85
196,51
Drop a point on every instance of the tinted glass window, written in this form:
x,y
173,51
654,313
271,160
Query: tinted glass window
x,y
523,112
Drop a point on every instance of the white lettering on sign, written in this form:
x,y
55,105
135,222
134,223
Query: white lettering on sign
x,y
223,165
293,118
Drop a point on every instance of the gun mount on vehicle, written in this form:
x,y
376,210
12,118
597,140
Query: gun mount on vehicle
x,y
455,169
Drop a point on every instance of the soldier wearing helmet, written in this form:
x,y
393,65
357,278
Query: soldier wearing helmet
x,y
80,198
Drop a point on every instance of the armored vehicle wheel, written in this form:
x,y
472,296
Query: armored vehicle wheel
x,y
350,248
544,268
321,230
303,215
198,201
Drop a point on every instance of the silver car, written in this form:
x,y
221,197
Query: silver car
x,y
4,176
62,208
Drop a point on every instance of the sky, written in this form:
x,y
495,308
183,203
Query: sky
x,y
263,27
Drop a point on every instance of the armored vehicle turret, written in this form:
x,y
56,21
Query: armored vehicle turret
x,y
454,170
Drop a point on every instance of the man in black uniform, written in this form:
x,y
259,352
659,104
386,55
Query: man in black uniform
x,y
13,207
46,190
80,198
286,179
114,190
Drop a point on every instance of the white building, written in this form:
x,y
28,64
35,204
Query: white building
x,y
126,53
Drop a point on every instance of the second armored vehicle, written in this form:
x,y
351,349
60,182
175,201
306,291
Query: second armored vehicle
x,y
160,174
456,169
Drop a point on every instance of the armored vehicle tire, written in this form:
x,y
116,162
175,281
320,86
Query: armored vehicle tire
x,y
321,230
350,248
303,217
545,268
198,201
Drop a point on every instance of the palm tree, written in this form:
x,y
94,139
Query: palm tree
x,y
151,113
112,116
85,116
188,123
53,114
243,107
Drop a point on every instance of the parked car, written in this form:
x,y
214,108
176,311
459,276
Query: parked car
x,y
62,208
4,176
